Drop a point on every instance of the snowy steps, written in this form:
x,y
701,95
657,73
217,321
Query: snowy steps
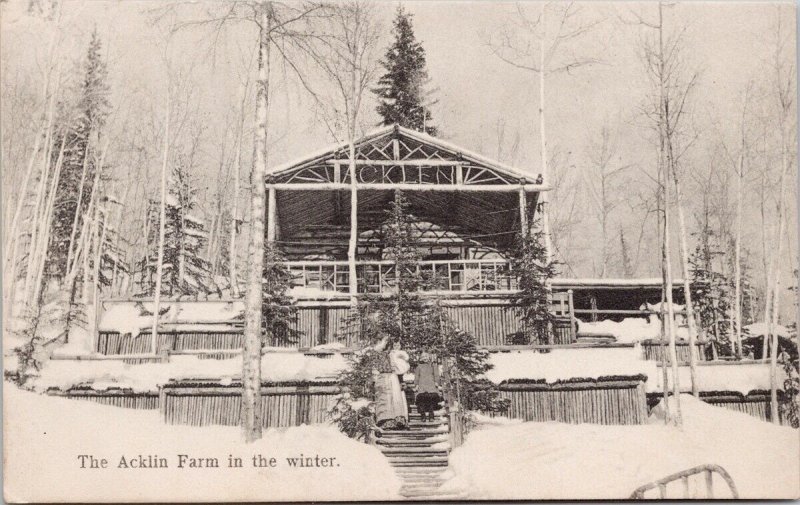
x,y
420,456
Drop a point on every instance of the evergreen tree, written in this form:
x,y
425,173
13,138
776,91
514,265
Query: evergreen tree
x,y
79,135
185,271
420,324
279,313
711,293
529,266
401,90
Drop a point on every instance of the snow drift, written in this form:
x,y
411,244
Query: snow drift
x,y
48,434
552,460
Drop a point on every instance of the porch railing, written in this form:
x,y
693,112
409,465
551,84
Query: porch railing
x,y
380,276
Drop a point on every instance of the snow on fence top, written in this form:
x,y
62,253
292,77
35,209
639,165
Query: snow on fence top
x,y
134,317
630,329
147,377
588,363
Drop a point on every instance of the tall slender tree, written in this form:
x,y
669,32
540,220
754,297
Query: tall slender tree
x,y
78,166
402,90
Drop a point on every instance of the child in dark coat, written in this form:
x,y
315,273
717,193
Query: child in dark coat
x,y
426,377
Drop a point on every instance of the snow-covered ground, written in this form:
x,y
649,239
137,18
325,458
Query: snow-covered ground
x,y
45,437
555,460
104,374
566,364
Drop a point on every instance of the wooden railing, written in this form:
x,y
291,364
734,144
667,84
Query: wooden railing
x,y
381,276
707,470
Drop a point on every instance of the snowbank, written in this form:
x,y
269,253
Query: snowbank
x,y
761,329
104,374
630,329
555,460
45,435
135,317
564,364
310,292
589,363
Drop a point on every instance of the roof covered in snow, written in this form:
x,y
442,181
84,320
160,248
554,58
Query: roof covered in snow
x,y
135,316
610,283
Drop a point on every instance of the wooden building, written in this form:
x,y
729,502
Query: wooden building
x,y
326,217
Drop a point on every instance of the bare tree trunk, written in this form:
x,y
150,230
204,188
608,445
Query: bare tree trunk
x,y
161,229
687,291
737,295
70,246
251,354
666,161
543,196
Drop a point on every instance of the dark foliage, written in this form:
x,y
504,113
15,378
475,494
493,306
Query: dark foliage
x,y
279,313
529,267
401,90
79,135
185,271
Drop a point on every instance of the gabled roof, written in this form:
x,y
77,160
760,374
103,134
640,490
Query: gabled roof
x,y
410,146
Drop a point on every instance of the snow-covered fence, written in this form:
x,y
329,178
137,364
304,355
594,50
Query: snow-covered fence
x,y
116,397
613,400
206,402
755,403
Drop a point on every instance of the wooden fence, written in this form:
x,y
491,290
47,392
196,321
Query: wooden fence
x,y
755,403
652,350
492,324
203,403
116,397
111,343
618,400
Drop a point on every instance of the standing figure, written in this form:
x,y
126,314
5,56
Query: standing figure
x,y
391,408
426,376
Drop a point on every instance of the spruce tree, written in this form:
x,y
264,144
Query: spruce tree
x,y
279,312
79,134
419,323
185,271
402,89
528,264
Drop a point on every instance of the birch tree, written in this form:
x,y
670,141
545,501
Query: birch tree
x,y
600,188
783,94
526,43
348,58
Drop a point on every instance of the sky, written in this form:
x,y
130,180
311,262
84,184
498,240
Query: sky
x,y
478,95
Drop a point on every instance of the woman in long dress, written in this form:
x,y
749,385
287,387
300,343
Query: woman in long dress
x,y
391,408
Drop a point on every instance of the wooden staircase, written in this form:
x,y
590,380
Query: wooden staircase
x,y
419,455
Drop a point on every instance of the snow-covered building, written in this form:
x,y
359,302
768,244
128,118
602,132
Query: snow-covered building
x,y
466,212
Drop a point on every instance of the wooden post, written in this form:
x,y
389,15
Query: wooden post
x,y
272,214
523,211
353,244
572,324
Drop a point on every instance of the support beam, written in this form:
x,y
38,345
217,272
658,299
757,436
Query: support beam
x,y
398,163
330,186
523,212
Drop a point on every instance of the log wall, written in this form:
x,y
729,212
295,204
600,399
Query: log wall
x,y
598,402
281,406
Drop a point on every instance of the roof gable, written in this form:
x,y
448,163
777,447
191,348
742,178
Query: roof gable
x,y
397,155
